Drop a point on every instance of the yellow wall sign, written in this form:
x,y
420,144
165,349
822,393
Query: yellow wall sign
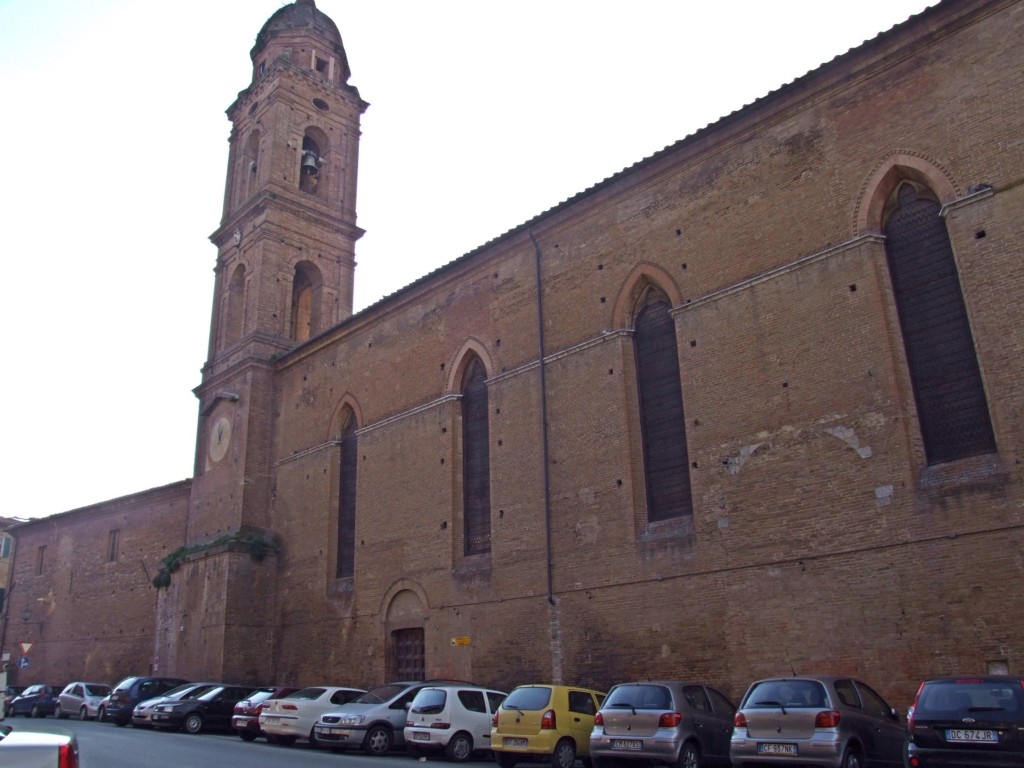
x,y
460,641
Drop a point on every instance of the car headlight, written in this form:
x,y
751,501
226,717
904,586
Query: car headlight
x,y
350,719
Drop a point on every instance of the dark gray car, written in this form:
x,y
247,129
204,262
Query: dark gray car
x,y
828,720
677,723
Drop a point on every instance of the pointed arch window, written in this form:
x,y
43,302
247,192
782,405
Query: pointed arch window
x,y
476,462
662,426
944,372
347,500
306,285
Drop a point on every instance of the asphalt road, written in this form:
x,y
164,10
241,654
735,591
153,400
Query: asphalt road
x,y
105,745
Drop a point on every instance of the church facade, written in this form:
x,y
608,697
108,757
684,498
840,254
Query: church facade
x,y
751,406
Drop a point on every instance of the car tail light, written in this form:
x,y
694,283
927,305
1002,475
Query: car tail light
x,y
494,720
913,708
441,726
740,721
598,719
827,719
67,756
669,719
547,722
289,707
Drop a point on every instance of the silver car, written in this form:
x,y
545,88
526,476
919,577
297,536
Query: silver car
x,y
682,724
81,699
827,720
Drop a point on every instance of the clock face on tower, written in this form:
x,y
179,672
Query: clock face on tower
x,y
220,438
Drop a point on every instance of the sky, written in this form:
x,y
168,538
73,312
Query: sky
x,y
483,114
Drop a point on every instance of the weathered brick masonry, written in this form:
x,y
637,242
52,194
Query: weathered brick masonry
x,y
820,538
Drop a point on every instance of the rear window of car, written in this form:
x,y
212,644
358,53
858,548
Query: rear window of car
x,y
787,693
639,697
429,701
307,693
532,698
381,694
945,697
97,690
125,684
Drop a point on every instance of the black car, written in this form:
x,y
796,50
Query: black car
x,y
969,721
210,711
131,691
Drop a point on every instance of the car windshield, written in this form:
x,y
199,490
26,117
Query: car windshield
x,y
307,693
531,698
125,684
639,697
97,690
955,697
429,701
178,690
198,691
380,695
787,694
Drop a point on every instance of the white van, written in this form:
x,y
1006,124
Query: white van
x,y
453,718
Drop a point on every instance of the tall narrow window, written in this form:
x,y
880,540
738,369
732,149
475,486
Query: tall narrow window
x,y
662,427
5,546
235,306
112,545
40,560
944,372
306,297
476,461
347,501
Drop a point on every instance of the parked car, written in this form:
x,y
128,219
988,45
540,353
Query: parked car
x,y
545,722
373,722
9,693
131,691
455,719
246,717
826,720
82,699
36,701
969,721
682,724
25,749
211,710
142,714
293,717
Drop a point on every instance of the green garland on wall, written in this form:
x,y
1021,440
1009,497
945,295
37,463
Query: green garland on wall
x,y
255,544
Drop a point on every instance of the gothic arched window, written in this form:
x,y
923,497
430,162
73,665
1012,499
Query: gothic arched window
x,y
944,372
476,462
347,497
662,427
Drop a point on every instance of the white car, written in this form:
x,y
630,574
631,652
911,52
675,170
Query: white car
x,y
81,700
293,717
455,719
25,749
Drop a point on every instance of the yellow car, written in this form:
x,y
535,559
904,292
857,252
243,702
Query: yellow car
x,y
545,722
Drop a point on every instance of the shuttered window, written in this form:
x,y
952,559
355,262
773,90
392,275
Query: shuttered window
x,y
944,372
666,464
476,468
347,500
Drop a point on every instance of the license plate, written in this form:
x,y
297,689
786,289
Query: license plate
x,y
627,744
964,734
420,736
510,742
776,749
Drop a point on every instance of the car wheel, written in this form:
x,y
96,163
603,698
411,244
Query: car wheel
x,y
193,723
690,756
58,712
247,736
313,741
36,712
83,713
564,755
851,758
377,741
413,751
459,748
101,714
506,759
285,741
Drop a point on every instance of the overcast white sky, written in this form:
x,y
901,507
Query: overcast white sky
x,y
484,113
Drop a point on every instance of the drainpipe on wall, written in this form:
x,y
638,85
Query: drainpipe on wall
x,y
543,415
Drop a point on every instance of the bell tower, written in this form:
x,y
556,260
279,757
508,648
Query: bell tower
x,y
284,273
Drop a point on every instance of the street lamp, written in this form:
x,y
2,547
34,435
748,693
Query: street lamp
x,y
26,614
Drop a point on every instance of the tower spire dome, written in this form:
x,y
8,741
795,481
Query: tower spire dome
x,y
298,19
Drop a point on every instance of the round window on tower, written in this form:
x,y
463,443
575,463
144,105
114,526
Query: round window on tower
x,y
321,105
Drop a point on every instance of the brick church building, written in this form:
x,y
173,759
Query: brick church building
x,y
752,405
